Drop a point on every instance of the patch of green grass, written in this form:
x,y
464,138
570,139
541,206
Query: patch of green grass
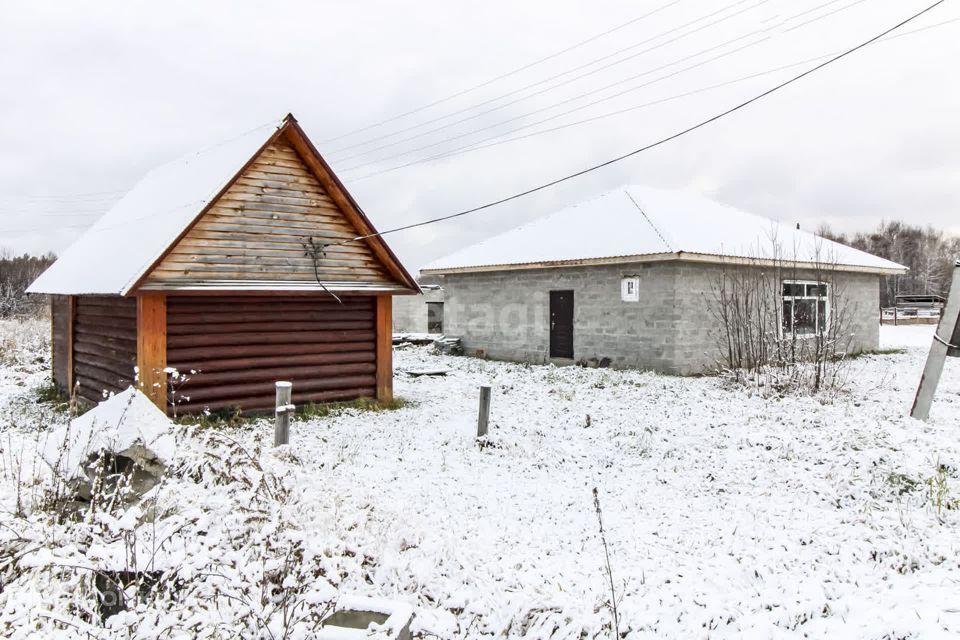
x,y
938,491
222,419
58,400
49,392
234,417
326,409
901,482
875,352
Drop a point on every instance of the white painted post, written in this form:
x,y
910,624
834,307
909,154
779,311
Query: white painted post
x,y
281,427
946,330
484,417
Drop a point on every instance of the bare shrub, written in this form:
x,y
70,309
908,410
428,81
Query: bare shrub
x,y
175,569
783,323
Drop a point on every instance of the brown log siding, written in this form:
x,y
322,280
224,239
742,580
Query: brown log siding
x,y
240,346
104,345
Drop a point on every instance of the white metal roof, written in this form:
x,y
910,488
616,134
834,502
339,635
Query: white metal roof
x,y
111,256
636,221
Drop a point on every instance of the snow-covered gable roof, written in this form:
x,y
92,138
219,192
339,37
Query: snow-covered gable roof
x,y
644,223
116,253
111,256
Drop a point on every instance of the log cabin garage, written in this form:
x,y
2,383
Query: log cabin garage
x,y
237,266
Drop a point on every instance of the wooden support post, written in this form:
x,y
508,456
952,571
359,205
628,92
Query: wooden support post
x,y
947,330
384,348
71,321
483,419
281,425
152,347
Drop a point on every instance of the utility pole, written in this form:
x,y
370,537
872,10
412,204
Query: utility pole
x,y
946,342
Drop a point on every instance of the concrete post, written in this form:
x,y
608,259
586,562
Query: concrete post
x,y
484,417
946,330
281,427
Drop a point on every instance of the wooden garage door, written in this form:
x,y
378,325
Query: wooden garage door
x,y
240,346
104,345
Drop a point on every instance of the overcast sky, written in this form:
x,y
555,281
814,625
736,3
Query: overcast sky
x,y
95,94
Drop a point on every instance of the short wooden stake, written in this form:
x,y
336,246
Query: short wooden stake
x,y
484,418
946,331
281,428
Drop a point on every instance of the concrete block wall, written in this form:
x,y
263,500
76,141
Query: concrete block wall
x,y
860,293
698,333
410,312
505,314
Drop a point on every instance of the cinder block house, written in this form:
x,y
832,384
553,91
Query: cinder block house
x,y
239,265
629,279
420,314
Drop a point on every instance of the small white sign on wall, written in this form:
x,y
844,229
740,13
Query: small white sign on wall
x,y
630,289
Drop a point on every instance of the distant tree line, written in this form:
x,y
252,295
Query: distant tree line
x,y
16,274
928,252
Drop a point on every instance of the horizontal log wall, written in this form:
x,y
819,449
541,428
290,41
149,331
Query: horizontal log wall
x,y
239,347
256,231
104,345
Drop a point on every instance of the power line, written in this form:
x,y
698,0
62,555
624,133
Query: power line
x,y
553,77
652,145
57,228
116,225
825,15
97,197
835,58
468,108
579,96
100,195
479,144
504,75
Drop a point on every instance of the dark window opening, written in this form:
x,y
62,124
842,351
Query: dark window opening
x,y
435,317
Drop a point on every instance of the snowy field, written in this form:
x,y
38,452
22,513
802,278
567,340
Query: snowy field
x,y
727,514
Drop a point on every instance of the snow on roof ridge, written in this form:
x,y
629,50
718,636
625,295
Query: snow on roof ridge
x,y
660,234
682,222
189,155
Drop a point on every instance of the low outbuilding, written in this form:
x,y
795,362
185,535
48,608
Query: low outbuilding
x,y
236,266
636,277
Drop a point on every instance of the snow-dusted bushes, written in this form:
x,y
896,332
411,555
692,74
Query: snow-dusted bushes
x,y
757,312
16,274
24,342
214,550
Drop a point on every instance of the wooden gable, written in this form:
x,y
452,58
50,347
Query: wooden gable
x,y
255,234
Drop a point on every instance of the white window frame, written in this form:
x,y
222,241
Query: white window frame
x,y
626,283
825,297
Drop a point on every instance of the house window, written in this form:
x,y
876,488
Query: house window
x,y
630,289
806,307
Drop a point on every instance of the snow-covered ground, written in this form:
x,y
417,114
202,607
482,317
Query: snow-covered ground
x,y
905,336
727,514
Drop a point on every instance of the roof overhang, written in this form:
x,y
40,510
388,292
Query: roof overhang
x,y
282,286
682,256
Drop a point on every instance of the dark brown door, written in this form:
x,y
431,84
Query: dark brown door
x,y
561,324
